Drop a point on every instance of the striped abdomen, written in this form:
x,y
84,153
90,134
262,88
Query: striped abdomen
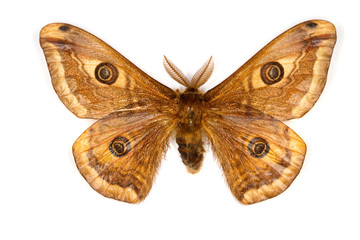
x,y
190,147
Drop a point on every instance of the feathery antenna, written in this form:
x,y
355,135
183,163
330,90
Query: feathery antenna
x,y
203,74
200,77
175,73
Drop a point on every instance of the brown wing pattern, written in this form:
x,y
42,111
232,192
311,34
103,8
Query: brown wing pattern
x,y
91,78
260,156
286,77
119,154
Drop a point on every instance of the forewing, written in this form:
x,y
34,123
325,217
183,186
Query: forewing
x,y
119,154
286,77
260,156
91,78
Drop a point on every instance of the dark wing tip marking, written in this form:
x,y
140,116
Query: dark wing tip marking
x,y
64,28
311,25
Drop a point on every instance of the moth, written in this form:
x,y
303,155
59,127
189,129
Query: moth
x,y
241,117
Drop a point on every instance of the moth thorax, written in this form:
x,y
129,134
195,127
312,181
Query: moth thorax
x,y
191,106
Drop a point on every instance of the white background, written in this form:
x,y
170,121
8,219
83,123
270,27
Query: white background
x,y
43,196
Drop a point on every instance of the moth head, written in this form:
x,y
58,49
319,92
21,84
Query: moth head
x,y
199,78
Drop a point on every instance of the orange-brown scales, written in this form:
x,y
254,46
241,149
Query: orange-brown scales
x,y
241,117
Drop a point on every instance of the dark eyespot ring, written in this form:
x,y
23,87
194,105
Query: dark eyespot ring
x,y
106,73
272,72
258,147
120,146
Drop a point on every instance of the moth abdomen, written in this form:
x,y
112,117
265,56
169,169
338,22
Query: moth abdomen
x,y
191,151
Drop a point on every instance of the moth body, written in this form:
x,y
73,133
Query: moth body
x,y
188,133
